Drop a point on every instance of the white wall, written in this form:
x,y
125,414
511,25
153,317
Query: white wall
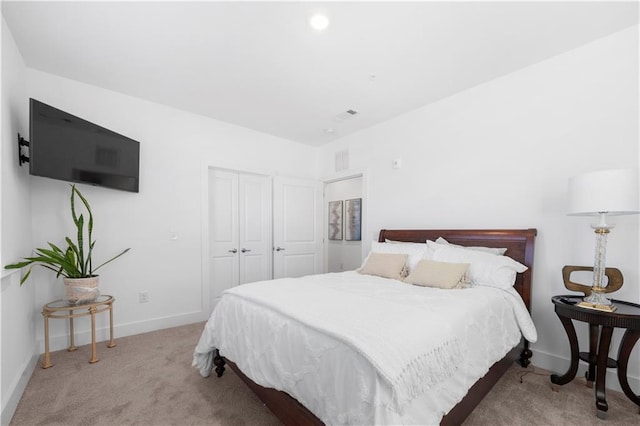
x,y
17,305
176,149
499,156
342,255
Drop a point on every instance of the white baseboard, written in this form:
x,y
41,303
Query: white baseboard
x,y
17,390
60,342
559,364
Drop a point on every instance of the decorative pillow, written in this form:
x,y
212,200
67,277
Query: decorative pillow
x,y
493,250
430,273
414,251
387,265
485,269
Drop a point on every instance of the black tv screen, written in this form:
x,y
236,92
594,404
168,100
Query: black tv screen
x,y
66,147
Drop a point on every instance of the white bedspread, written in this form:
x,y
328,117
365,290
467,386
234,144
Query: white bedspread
x,y
358,349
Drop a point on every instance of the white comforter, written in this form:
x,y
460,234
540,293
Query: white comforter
x,y
358,349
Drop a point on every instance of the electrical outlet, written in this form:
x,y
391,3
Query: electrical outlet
x,y
143,296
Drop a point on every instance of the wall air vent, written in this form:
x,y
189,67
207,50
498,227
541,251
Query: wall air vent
x,y
342,160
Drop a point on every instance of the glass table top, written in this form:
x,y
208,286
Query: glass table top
x,y
63,304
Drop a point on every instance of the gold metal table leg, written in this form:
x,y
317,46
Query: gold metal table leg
x,y
47,361
72,346
112,342
94,355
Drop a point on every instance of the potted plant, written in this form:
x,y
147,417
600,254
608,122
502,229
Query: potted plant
x,y
75,262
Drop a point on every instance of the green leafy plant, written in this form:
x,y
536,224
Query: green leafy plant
x,y
74,261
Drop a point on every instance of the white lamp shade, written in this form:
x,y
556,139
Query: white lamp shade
x,y
614,192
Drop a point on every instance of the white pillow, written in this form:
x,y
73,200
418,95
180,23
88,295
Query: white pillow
x,y
428,252
414,251
485,269
493,250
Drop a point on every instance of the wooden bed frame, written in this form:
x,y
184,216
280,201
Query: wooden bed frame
x,y
519,244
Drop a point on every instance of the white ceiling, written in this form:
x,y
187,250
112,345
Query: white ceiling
x,y
261,66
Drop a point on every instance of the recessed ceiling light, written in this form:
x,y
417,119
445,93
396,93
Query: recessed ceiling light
x,y
329,130
319,22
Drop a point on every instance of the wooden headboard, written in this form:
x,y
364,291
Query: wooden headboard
x,y
518,242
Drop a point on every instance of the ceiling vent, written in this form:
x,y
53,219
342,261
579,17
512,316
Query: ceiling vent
x,y
346,115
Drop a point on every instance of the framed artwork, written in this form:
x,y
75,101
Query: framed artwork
x,y
353,219
335,220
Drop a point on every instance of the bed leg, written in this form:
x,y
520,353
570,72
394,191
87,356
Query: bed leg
x,y
526,355
219,362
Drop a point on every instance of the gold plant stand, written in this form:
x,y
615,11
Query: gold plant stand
x,y
61,309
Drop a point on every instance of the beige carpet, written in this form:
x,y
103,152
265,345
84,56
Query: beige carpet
x,y
148,380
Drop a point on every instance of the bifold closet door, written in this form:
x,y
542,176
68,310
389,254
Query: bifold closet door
x,y
255,229
240,231
224,263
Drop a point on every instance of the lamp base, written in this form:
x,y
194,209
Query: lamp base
x,y
589,305
597,300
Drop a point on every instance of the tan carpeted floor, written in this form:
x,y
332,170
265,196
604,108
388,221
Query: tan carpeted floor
x,y
148,380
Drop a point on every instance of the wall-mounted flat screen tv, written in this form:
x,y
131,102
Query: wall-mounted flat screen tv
x,y
66,147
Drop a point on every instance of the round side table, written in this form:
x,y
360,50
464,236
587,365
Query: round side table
x,y
601,325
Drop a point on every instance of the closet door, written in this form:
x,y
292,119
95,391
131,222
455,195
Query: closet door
x,y
224,264
254,215
240,216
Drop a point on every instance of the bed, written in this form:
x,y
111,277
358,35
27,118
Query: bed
x,y
307,371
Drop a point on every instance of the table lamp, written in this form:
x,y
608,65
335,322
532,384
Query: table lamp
x,y
602,193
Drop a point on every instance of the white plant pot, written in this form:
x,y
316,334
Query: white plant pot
x,y
78,291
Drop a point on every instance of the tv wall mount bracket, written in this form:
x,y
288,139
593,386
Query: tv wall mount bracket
x,y
22,143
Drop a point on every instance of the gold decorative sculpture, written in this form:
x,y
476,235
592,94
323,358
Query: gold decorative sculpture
x,y
614,276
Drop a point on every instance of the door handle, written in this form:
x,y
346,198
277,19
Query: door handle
x,y
234,251
279,248
244,250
